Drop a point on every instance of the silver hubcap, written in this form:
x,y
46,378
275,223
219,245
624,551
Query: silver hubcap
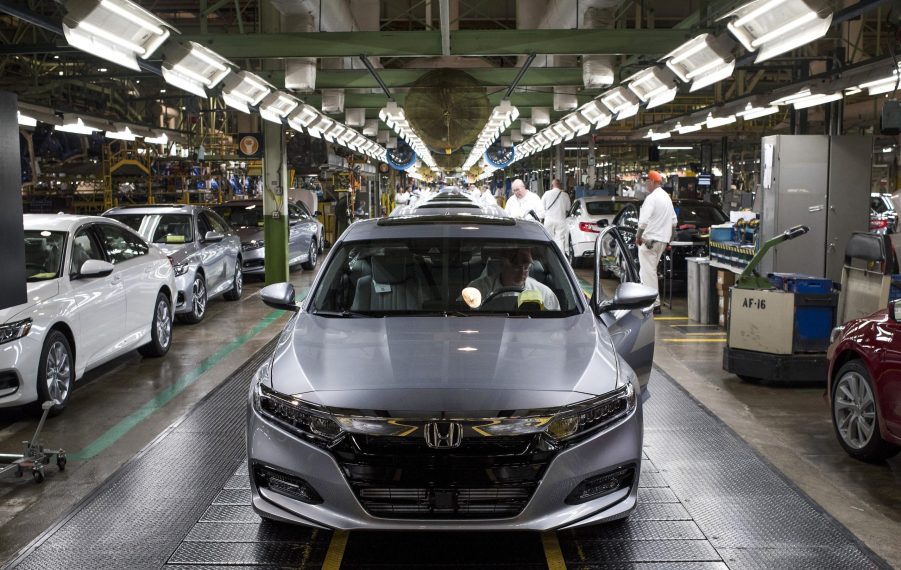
x,y
58,371
199,291
239,280
163,323
312,253
855,410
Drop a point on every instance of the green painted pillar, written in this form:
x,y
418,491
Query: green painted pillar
x,y
275,205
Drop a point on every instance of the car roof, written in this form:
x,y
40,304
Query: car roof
x,y
629,199
450,223
240,202
154,209
57,222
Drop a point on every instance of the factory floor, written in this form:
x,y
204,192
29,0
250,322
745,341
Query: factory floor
x,y
777,490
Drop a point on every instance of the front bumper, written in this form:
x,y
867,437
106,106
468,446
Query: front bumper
x,y
271,446
19,362
253,262
184,292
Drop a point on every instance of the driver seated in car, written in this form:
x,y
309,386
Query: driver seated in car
x,y
514,273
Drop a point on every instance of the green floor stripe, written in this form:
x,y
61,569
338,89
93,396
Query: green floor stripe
x,y
165,396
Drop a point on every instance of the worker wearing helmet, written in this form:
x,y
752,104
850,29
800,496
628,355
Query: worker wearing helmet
x,y
656,227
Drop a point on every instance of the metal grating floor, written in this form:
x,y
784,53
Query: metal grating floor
x,y
707,502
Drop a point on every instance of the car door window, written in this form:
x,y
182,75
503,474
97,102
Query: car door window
x,y
84,247
215,222
203,225
576,209
121,244
305,211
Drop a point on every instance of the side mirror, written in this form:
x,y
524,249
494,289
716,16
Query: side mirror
x,y
603,223
629,296
213,237
95,268
279,296
317,213
894,310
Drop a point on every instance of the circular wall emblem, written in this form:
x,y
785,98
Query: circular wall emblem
x,y
249,145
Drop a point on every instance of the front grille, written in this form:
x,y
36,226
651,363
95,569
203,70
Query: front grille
x,y
253,263
486,477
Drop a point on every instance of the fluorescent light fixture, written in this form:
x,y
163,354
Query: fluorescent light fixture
x,y
750,112
621,102
26,121
714,122
654,86
596,113
773,27
703,60
123,134
675,148
77,127
193,68
880,85
162,139
690,128
302,117
806,98
657,136
276,106
578,123
119,31
243,90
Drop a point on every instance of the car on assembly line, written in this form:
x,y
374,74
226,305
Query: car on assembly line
x,y
583,223
883,216
446,372
205,252
96,290
305,239
864,384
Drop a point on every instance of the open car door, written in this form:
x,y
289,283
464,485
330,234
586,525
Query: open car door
x,y
632,330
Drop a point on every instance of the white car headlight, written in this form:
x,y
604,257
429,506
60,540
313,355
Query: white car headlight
x,y
14,331
252,245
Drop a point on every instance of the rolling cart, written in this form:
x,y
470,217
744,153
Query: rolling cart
x,y
35,456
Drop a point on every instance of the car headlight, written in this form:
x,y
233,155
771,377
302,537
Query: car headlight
x,y
252,244
836,332
13,331
180,268
298,417
594,414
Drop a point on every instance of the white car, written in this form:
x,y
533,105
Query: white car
x,y
96,290
582,223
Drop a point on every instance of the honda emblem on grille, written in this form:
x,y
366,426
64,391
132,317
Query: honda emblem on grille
x,y
443,435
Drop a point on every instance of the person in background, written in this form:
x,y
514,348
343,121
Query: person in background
x,y
474,192
486,198
403,197
556,205
656,228
524,201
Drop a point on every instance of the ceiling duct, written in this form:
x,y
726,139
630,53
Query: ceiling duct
x,y
597,70
332,101
565,98
355,117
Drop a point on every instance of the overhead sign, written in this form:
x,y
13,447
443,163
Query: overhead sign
x,y
250,145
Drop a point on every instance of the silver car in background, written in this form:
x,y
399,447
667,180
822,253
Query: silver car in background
x,y
398,398
305,241
205,252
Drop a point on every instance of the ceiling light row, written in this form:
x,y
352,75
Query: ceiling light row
x,y
500,120
393,116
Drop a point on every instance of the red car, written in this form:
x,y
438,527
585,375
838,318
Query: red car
x,y
865,384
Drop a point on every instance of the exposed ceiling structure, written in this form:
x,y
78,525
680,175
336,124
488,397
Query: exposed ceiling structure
x,y
448,64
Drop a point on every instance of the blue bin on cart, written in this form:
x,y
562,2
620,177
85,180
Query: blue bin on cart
x,y
816,303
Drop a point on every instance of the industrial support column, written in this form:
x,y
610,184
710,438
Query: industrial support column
x,y
12,236
560,170
275,205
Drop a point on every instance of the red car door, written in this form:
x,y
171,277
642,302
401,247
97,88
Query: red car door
x,y
887,375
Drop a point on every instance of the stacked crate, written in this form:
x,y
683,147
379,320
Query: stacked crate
x,y
724,281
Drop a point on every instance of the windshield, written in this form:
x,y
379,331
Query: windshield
x,y
243,215
461,277
43,254
160,228
700,215
879,204
604,208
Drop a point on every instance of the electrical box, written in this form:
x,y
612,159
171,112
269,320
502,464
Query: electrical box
x,y
818,181
890,121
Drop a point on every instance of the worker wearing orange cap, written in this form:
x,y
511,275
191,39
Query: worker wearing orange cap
x,y
656,227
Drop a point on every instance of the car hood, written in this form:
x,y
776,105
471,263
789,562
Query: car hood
x,y
38,292
176,251
247,233
485,364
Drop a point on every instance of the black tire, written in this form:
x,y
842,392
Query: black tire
x,y
57,361
853,402
38,475
160,328
199,301
237,289
61,463
571,255
310,263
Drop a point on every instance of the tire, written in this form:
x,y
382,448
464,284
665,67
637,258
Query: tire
x,y
160,328
56,371
855,415
38,475
574,262
237,289
61,462
310,263
199,298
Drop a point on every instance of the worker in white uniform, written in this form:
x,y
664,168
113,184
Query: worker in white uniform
x,y
656,227
486,198
402,198
514,272
556,205
523,201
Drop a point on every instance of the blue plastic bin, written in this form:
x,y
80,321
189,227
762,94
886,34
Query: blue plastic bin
x,y
799,283
721,234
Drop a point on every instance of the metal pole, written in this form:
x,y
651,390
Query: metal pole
x,y
375,74
518,78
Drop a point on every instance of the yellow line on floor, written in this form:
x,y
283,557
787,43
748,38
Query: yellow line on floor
x,y
670,318
717,333
335,550
552,551
693,340
708,326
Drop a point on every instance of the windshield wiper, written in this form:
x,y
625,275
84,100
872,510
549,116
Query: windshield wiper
x,y
343,314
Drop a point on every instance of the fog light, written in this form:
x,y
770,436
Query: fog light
x,y
287,485
601,485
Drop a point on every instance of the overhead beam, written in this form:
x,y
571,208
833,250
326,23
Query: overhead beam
x,y
428,43
396,78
